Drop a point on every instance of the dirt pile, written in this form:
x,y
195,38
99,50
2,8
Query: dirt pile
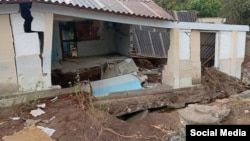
x,y
216,81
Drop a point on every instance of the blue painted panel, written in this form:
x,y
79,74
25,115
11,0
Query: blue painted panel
x,y
115,84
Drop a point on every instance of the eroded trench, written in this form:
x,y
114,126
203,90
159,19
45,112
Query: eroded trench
x,y
66,79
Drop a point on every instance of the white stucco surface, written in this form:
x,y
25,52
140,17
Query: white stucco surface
x,y
26,44
184,44
17,23
225,45
241,41
38,23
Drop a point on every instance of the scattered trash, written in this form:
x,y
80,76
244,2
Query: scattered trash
x,y
30,133
37,112
42,105
246,111
16,118
54,99
52,118
47,130
30,122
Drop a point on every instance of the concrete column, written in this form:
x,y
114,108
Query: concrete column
x,y
170,74
195,57
178,71
47,53
233,53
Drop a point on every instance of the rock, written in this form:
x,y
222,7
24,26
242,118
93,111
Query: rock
x,y
203,114
180,135
176,138
245,94
246,73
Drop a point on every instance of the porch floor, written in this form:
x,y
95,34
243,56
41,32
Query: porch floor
x,y
75,65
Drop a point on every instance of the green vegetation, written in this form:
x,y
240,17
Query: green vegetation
x,y
235,11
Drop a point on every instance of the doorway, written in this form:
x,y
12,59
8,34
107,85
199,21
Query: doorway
x,y
207,44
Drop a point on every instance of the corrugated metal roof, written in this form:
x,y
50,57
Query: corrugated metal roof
x,y
184,16
150,43
140,8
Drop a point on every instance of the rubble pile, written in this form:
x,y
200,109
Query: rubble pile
x,y
245,70
216,81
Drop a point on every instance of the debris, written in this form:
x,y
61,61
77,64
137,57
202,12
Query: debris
x,y
37,112
47,130
54,99
203,114
116,84
246,111
42,105
142,77
31,133
216,81
29,122
16,118
56,87
110,70
245,71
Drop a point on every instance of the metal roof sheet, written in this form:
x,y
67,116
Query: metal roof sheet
x,y
184,16
140,8
150,43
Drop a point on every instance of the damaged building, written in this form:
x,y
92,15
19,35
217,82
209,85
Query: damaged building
x,y
46,42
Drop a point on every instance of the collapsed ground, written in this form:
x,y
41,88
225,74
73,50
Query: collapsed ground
x,y
76,119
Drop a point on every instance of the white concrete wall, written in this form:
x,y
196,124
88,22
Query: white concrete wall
x,y
230,52
33,72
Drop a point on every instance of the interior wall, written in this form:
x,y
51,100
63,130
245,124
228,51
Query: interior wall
x,y
105,45
122,39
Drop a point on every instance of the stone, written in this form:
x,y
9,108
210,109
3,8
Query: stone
x,y
203,114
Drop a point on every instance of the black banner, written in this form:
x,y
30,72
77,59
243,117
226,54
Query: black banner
x,y
217,132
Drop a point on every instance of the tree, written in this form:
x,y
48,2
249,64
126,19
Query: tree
x,y
205,8
174,4
236,11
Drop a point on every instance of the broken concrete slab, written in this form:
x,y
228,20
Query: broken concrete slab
x,y
31,133
115,84
203,114
115,69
